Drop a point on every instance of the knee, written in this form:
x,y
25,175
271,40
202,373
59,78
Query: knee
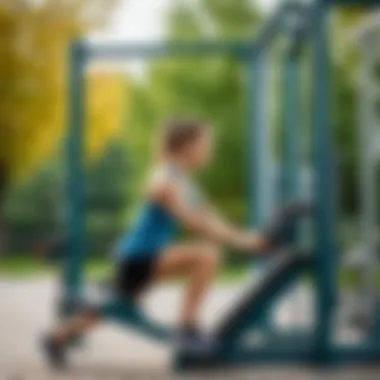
x,y
210,256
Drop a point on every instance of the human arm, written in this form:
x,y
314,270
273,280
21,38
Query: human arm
x,y
244,240
205,222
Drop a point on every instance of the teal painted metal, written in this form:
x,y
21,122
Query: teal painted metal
x,y
248,315
261,196
257,357
324,185
261,144
240,49
127,313
296,353
357,355
291,112
321,347
74,265
115,51
273,286
291,159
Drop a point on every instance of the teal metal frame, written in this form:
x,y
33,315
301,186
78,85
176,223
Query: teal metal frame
x,y
317,345
81,54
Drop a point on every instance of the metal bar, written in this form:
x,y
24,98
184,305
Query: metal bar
x,y
354,355
289,356
261,147
259,356
73,272
291,130
258,151
128,314
324,185
258,298
239,49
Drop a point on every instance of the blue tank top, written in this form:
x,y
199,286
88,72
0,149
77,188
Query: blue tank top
x,y
154,229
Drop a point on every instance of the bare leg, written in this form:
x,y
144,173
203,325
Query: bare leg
x,y
199,262
54,345
75,327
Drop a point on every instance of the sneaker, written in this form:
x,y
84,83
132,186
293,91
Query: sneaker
x,y
193,342
55,353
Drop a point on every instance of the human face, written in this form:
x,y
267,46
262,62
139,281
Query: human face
x,y
200,151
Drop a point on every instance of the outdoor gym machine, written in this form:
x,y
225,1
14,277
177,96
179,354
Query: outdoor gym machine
x,y
316,345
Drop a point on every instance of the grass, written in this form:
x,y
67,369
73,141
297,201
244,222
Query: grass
x,y
96,269
21,267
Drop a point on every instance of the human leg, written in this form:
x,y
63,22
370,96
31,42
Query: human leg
x,y
198,262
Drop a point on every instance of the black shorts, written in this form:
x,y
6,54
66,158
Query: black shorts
x,y
133,276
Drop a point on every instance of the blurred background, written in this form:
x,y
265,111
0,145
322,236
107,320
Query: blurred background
x,y
125,104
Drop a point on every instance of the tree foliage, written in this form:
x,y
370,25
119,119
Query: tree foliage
x,y
34,37
34,41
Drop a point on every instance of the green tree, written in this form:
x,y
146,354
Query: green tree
x,y
36,210
107,195
34,37
33,210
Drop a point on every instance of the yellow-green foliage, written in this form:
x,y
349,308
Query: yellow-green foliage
x,y
107,106
34,37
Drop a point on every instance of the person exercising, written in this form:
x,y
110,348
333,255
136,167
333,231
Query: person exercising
x,y
149,252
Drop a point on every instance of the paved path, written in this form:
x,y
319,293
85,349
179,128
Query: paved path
x,y
114,353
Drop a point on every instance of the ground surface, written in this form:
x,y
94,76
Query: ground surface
x,y
113,353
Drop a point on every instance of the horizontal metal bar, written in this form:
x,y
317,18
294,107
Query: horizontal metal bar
x,y
275,27
145,50
260,356
361,354
290,355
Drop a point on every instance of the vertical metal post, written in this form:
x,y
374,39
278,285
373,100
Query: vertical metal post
x,y
324,186
291,129
290,165
74,265
260,143
260,152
